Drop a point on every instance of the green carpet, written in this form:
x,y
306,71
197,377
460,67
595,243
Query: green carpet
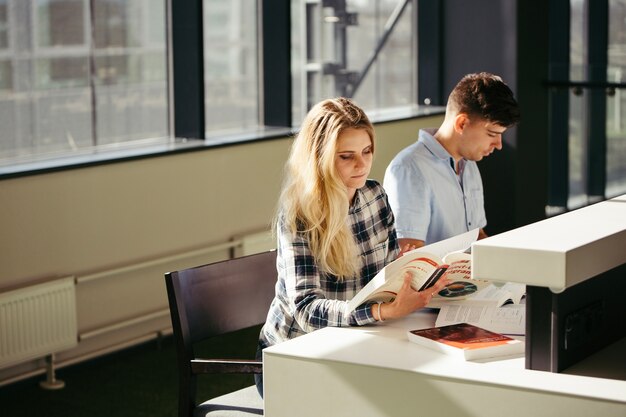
x,y
138,382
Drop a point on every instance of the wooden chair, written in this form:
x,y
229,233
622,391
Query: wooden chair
x,y
213,300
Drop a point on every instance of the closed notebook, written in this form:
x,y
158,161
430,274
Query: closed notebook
x,y
466,341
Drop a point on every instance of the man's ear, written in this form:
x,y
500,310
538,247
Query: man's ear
x,y
461,121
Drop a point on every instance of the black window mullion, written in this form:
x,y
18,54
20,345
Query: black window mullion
x,y
188,68
429,52
559,50
597,37
276,57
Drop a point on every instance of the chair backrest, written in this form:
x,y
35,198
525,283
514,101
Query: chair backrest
x,y
216,299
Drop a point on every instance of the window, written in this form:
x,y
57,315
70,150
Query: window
x,y
78,74
616,100
231,81
78,77
577,144
362,49
597,105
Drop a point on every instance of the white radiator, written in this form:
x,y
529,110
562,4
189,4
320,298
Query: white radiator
x,y
254,243
37,321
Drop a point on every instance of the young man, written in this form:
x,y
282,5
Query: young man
x,y
434,186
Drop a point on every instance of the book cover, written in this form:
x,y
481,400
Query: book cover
x,y
466,341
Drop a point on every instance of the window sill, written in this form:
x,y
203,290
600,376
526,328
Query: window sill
x,y
213,140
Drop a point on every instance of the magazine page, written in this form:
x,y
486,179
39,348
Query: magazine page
x,y
461,287
517,291
492,294
509,319
458,243
420,263
386,284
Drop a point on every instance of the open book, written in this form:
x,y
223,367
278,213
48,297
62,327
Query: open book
x,y
429,263
466,341
426,265
508,319
464,290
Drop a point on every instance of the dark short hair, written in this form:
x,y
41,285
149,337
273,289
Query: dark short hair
x,y
485,95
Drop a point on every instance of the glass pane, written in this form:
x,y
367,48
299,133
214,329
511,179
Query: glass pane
x,y
59,97
390,82
332,47
577,150
62,72
577,100
578,41
230,66
61,22
616,103
4,25
117,23
6,75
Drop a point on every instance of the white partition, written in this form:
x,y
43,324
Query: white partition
x,y
558,252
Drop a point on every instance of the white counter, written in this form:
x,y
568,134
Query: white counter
x,y
558,252
376,371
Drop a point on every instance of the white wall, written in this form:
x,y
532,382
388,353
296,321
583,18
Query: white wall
x,y
92,220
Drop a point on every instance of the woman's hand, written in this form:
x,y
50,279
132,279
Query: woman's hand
x,y
408,300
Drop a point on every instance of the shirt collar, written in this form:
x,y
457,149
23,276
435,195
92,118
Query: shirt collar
x,y
427,137
356,202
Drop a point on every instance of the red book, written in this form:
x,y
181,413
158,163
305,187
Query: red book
x,y
466,341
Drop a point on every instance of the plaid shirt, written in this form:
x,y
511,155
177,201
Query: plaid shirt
x,y
308,299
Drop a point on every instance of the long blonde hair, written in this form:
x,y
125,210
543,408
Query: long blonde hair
x,y
314,199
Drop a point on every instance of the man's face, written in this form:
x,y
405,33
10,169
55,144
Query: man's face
x,y
480,138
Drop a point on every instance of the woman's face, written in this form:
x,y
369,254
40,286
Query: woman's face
x,y
353,159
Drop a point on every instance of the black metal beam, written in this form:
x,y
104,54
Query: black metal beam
x,y
188,68
429,52
559,52
276,18
597,60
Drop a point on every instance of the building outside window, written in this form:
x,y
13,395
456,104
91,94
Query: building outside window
x,y
340,47
80,74
231,66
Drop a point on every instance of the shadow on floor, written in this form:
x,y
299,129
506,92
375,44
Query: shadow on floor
x,y
138,382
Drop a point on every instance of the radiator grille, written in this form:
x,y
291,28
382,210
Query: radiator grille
x,y
37,320
254,243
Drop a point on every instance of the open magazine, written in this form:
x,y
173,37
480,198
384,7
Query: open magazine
x,y
508,319
481,293
427,264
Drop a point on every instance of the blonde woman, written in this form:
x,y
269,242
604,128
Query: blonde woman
x,y
335,230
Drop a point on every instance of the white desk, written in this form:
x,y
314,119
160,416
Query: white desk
x,y
376,371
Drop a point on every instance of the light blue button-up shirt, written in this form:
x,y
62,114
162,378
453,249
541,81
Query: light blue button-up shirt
x,y
429,200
